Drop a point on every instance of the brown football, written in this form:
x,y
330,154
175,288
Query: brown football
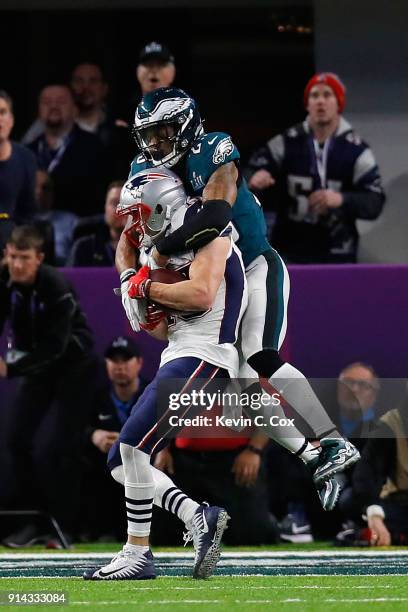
x,y
168,277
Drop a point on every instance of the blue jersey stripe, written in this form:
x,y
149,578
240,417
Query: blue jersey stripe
x,y
234,290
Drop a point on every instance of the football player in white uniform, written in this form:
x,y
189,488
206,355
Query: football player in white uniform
x,y
200,354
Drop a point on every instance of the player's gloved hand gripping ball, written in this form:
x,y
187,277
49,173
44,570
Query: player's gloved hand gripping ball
x,y
139,284
140,313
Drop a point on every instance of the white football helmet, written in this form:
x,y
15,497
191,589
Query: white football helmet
x,y
151,197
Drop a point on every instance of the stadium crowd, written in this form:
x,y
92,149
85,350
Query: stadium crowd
x,y
59,189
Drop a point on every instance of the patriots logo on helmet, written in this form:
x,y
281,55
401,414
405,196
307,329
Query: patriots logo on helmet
x,y
224,148
136,184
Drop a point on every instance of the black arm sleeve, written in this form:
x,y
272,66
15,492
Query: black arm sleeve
x,y
198,231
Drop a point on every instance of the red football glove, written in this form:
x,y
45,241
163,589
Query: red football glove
x,y
153,317
139,284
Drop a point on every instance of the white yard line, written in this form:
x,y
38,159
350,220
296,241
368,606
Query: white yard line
x,y
153,602
366,600
342,600
265,554
271,576
239,601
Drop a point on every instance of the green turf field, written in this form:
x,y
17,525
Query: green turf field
x,y
275,578
333,593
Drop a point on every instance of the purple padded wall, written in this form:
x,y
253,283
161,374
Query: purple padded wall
x,y
337,314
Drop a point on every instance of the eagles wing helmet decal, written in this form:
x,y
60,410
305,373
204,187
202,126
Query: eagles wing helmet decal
x,y
166,109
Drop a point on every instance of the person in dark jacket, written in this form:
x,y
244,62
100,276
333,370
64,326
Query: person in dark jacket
x,y
50,350
90,90
380,480
74,158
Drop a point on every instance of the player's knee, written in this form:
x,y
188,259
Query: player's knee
x,y
266,362
136,463
130,454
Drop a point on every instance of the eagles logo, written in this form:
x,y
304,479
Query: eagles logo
x,y
174,108
224,148
163,111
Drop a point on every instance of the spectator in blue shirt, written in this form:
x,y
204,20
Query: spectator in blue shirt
x,y
103,510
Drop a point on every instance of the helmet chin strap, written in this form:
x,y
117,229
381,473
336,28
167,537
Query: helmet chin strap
x,y
135,242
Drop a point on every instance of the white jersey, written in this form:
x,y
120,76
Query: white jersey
x,y
209,335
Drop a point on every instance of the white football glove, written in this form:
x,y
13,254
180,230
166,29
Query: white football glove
x,y
135,309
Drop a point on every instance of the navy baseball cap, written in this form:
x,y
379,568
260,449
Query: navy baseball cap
x,y
155,51
122,346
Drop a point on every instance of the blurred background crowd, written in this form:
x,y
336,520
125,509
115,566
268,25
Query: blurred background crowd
x,y
67,101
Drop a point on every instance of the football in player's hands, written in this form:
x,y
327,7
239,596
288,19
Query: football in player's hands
x,y
167,277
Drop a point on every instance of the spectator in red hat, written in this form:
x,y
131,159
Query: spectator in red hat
x,y
333,82
320,177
